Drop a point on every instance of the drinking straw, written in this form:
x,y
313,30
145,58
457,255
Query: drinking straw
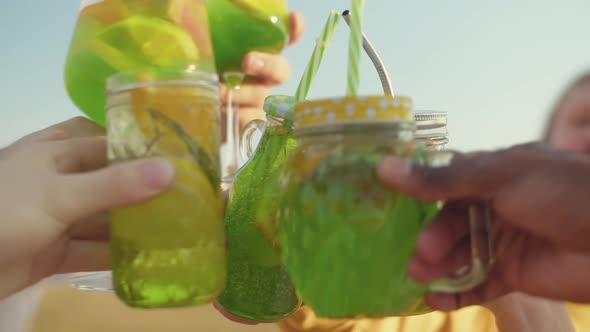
x,y
354,47
375,58
322,43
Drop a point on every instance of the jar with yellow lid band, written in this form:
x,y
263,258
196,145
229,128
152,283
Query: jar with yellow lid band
x,y
345,238
258,287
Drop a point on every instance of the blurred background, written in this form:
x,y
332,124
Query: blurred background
x,y
496,67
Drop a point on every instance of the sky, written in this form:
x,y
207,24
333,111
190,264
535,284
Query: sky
x,y
496,66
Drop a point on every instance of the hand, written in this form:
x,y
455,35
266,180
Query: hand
x,y
268,71
520,312
50,187
75,127
539,197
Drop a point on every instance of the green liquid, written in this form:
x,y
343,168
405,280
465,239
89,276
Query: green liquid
x,y
169,251
236,31
258,287
347,240
114,36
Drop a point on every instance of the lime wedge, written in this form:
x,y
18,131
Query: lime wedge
x,y
150,41
263,7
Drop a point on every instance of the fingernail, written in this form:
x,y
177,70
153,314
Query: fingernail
x,y
254,64
393,169
156,173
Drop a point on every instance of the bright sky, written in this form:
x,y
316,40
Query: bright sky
x,y
495,66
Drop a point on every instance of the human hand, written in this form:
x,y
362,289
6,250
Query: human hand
x,y
521,312
75,127
267,71
49,188
539,198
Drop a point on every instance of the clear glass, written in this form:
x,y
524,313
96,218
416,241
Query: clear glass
x,y
169,251
239,27
258,287
431,129
113,36
346,239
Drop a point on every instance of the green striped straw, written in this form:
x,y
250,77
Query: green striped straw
x,y
354,47
322,43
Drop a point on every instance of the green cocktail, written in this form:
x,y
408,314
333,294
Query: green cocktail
x,y
258,287
169,251
241,26
346,239
237,28
114,36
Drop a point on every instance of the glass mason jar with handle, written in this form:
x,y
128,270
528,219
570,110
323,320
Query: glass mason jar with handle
x,y
258,287
346,239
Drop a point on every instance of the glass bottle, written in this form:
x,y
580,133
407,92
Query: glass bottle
x,y
258,287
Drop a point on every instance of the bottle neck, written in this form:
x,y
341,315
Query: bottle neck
x,y
274,121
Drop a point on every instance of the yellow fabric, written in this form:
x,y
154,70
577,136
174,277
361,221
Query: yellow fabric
x,y
580,315
465,320
368,109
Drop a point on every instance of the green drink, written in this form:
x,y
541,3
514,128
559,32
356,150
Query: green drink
x,y
169,251
241,26
114,36
346,239
237,28
258,287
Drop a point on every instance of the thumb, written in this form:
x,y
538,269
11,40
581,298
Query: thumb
x,y
119,185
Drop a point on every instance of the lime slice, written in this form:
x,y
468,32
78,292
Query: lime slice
x,y
263,7
150,41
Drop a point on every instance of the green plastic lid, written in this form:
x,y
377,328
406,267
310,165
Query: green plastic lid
x,y
280,106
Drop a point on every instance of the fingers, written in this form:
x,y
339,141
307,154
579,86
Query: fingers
x,y
85,256
79,154
269,69
79,127
470,177
249,95
297,22
94,228
450,302
119,185
73,128
438,239
45,135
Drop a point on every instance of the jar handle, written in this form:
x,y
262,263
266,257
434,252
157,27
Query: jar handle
x,y
247,145
480,241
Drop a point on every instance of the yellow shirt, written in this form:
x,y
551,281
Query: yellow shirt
x,y
580,315
470,319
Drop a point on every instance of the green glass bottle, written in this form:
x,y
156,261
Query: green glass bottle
x,y
258,287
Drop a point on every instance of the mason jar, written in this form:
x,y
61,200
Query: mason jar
x,y
346,239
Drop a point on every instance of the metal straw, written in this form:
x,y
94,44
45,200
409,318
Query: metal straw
x,y
377,62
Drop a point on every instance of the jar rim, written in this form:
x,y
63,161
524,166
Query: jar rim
x,y
431,124
128,80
